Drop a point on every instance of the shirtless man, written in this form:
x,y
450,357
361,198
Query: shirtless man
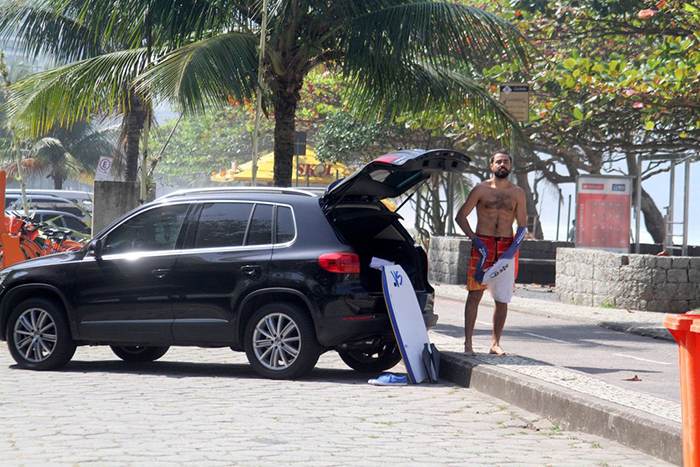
x,y
498,202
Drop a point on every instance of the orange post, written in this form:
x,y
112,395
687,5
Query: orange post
x,y
3,184
686,331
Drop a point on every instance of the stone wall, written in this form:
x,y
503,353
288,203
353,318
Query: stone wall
x,y
111,201
628,281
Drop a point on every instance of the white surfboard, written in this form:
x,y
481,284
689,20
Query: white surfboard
x,y
406,321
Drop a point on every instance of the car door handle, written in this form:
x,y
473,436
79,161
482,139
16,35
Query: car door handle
x,y
250,270
160,273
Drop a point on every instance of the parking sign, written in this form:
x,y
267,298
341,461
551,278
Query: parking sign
x,y
104,169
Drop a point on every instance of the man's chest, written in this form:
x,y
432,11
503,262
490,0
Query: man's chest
x,y
499,200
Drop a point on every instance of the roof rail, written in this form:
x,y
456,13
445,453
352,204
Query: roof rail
x,y
238,189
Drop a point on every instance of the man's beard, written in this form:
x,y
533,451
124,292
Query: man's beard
x,y
501,173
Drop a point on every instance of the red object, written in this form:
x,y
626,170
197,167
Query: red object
x,y
603,213
686,331
388,159
341,263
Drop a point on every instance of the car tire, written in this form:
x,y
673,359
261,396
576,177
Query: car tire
x,y
382,359
280,341
138,353
38,335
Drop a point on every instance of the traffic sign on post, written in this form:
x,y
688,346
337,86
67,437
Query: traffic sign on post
x,y
104,169
516,98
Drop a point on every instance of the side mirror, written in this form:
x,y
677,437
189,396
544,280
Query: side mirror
x,y
98,247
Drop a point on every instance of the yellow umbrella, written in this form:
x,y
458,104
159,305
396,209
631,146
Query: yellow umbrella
x,y
310,170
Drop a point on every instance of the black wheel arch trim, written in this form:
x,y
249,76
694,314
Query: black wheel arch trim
x,y
274,290
10,294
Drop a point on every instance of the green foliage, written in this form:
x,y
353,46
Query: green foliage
x,y
396,56
205,143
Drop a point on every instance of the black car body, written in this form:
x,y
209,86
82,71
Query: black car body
x,y
281,274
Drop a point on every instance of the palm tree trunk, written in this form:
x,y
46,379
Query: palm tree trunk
x,y
132,127
57,174
285,105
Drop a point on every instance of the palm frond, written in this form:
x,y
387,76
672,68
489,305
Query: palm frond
x,y
207,72
417,87
39,27
48,145
439,33
73,92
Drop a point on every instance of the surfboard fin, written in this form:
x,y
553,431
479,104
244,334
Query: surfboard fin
x,y
431,361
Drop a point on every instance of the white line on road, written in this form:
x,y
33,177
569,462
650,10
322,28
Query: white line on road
x,y
641,359
543,337
483,323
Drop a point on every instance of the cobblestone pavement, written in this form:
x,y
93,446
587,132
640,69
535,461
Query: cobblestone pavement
x,y
206,407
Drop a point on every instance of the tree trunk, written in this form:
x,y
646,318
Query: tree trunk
x,y
653,219
285,105
132,127
522,181
57,174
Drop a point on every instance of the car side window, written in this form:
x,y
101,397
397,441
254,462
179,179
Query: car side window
x,y
260,230
222,225
153,230
285,225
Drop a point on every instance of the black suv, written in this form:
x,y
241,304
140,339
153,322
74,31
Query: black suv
x,y
278,273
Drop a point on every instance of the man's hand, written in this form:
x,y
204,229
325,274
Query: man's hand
x,y
480,247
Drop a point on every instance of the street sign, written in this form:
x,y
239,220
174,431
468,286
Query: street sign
x,y
516,98
300,143
104,169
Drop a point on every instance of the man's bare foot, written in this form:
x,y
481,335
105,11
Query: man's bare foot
x,y
497,350
469,352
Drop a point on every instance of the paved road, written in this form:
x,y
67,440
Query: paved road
x,y
610,356
206,407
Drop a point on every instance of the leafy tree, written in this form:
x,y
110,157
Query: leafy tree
x,y
393,56
206,142
613,81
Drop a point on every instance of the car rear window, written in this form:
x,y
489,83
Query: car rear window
x,y
222,225
285,225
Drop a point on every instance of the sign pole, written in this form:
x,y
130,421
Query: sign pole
x,y
638,203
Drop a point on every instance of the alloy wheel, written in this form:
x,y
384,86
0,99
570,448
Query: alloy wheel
x,y
276,341
35,335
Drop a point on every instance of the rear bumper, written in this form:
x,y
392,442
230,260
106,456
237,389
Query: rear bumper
x,y
333,328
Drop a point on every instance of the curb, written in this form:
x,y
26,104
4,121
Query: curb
x,y
643,432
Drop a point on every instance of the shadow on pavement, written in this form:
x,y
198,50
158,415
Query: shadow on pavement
x,y
178,370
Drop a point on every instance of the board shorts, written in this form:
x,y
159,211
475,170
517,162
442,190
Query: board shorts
x,y
496,247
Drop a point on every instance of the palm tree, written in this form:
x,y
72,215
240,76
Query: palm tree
x,y
63,31
64,153
394,56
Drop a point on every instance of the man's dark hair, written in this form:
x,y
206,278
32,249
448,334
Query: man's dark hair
x,y
503,151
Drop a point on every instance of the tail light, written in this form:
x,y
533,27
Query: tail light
x,y
341,263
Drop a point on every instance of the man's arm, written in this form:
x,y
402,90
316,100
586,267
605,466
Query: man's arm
x,y
521,208
466,209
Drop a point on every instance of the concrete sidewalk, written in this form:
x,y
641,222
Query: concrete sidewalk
x,y
575,401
